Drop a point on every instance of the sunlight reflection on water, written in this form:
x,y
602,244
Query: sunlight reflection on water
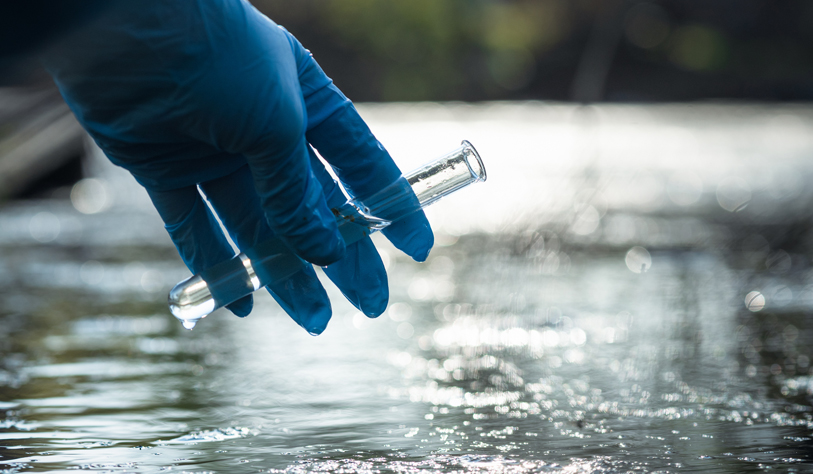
x,y
630,291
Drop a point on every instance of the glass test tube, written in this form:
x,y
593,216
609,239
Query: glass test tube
x,y
271,261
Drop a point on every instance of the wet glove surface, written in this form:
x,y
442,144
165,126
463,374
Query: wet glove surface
x,y
211,94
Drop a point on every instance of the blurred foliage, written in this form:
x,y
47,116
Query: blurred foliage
x,y
426,49
402,50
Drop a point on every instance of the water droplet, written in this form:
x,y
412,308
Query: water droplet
x,y
189,324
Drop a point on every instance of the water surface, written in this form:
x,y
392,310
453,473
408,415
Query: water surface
x,y
630,291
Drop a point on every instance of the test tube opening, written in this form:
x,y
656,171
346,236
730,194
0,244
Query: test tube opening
x,y
474,162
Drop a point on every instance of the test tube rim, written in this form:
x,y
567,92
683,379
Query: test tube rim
x,y
482,175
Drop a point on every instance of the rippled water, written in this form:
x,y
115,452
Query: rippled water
x,y
585,310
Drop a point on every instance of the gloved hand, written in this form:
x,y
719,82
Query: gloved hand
x,y
212,94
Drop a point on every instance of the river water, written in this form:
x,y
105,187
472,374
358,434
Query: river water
x,y
631,291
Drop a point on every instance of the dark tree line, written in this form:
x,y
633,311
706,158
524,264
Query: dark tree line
x,y
587,50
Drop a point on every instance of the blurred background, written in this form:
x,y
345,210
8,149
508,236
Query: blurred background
x,y
583,51
631,290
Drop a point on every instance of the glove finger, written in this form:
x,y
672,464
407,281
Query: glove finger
x,y
365,167
412,235
265,121
196,234
360,275
238,206
363,164
362,278
305,300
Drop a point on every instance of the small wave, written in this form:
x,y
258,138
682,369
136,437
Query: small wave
x,y
206,436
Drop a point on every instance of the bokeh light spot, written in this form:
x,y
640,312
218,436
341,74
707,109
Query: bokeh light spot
x,y
587,220
44,227
90,196
699,48
420,289
684,188
400,311
733,194
755,301
405,330
638,260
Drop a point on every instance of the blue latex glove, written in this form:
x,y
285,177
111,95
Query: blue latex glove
x,y
211,94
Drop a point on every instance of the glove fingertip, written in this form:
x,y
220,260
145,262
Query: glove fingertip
x,y
317,322
370,300
373,300
242,307
375,307
333,252
304,299
422,253
362,278
413,236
